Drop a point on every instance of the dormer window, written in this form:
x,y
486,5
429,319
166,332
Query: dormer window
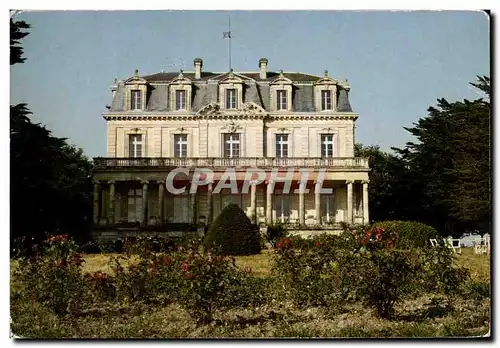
x,y
135,102
180,100
281,93
136,89
231,98
326,100
281,99
180,93
325,90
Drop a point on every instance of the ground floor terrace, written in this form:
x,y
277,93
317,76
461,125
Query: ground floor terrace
x,y
181,199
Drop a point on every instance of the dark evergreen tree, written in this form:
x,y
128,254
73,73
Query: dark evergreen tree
x,y
232,233
50,188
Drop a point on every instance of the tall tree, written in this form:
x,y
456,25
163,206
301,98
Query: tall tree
x,y
50,179
391,185
451,163
16,34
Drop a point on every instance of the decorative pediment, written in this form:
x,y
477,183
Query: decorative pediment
x,y
281,80
232,127
231,77
248,110
326,80
181,79
252,110
209,110
136,79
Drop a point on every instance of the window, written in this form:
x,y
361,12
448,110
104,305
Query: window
x,y
327,145
231,98
281,145
328,208
326,100
281,100
135,145
231,145
180,145
180,100
135,102
282,207
134,205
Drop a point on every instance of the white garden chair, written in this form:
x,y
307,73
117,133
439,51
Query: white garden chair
x,y
434,242
479,246
454,244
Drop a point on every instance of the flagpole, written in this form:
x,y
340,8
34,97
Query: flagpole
x,y
229,42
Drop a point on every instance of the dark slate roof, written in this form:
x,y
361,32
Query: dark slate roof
x,y
252,94
203,94
303,98
158,98
169,76
343,101
118,100
205,91
206,75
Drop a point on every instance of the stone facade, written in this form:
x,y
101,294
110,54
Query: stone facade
x,y
266,120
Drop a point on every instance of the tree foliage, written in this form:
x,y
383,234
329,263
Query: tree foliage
x,y
232,233
16,34
51,189
444,177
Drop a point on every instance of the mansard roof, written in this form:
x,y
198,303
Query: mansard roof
x,y
205,90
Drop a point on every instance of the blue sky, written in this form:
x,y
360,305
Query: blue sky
x,y
398,63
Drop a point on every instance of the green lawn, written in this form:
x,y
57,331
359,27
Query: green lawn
x,y
478,265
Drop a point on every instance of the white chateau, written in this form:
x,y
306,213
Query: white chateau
x,y
267,120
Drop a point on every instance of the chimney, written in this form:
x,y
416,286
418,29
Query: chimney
x,y
263,68
198,63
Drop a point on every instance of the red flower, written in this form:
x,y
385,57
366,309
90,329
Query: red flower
x,y
184,267
284,243
58,238
316,244
77,259
167,261
61,263
389,244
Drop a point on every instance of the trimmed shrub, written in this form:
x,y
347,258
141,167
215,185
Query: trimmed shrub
x,y
411,233
232,233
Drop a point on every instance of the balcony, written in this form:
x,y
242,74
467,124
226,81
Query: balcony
x,y
242,162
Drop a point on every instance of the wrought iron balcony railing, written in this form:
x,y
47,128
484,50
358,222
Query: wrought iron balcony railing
x,y
334,162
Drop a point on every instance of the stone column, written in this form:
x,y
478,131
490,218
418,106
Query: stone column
x,y
112,203
209,203
97,190
253,205
145,202
302,213
366,218
193,208
317,202
161,200
269,203
349,201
